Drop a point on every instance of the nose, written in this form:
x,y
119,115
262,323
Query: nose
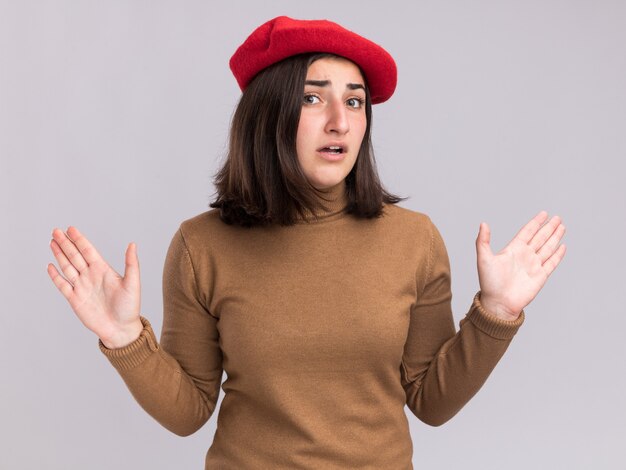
x,y
337,118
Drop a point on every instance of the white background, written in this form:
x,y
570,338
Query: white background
x,y
114,116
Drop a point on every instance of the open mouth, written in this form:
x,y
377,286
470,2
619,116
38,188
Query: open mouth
x,y
332,150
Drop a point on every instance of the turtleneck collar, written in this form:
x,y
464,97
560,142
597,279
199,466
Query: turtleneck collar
x,y
334,198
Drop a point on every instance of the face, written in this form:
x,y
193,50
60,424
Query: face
x,y
333,115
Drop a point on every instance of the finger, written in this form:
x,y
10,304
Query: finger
x,y
551,244
87,250
482,241
67,268
544,233
79,250
528,231
131,270
65,287
554,260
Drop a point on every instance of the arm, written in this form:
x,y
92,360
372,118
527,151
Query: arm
x,y
443,369
177,381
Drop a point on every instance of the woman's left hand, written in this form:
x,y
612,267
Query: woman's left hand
x,y
511,279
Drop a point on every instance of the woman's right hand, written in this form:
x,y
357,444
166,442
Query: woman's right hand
x,y
105,302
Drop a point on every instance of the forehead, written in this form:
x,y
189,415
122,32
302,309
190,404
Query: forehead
x,y
338,67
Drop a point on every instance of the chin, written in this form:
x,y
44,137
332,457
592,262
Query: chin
x,y
324,183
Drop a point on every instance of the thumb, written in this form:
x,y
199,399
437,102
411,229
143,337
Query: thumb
x,y
131,269
482,241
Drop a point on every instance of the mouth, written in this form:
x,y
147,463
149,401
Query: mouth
x,y
333,150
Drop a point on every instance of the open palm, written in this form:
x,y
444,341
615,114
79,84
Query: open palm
x,y
511,279
105,302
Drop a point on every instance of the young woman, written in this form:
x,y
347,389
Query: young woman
x,y
328,306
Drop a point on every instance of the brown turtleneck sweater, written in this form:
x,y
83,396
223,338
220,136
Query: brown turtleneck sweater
x,y
325,329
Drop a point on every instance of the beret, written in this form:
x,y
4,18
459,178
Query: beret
x,y
283,37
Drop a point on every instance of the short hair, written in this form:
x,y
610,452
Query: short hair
x,y
262,182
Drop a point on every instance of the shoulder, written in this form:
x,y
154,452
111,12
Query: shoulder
x,y
203,230
413,232
412,220
202,221
418,228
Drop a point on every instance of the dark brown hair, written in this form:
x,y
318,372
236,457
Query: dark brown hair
x,y
261,182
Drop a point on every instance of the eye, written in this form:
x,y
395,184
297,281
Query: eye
x,y
309,99
356,103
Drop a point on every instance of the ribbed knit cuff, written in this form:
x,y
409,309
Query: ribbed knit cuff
x,y
492,325
134,353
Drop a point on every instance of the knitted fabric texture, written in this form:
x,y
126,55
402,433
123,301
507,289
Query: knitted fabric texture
x,y
326,331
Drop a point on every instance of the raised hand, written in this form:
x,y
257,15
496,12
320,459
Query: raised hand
x,y
511,279
105,302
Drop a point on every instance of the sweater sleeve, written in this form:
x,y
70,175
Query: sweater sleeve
x,y
176,381
442,369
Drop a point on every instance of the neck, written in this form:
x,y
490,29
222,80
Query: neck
x,y
334,200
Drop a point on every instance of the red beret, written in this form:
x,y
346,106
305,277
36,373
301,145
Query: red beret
x,y
282,37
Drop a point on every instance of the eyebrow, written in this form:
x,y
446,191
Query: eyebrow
x,y
323,83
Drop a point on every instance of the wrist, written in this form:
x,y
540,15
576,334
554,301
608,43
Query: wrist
x,y
124,337
498,310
